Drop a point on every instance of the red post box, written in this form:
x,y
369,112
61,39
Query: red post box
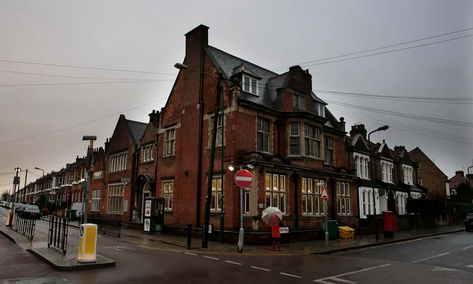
x,y
389,220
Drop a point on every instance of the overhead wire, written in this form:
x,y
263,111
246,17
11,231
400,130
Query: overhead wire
x,y
308,63
75,125
418,131
403,98
84,83
67,76
419,117
82,67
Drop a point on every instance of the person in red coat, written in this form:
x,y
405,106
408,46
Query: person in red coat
x,y
276,237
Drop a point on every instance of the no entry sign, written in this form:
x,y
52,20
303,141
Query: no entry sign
x,y
243,178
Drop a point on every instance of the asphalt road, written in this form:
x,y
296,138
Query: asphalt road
x,y
442,259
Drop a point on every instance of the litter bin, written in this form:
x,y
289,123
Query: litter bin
x,y
332,228
389,221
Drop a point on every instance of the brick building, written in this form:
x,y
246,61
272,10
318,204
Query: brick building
x,y
121,165
272,121
429,175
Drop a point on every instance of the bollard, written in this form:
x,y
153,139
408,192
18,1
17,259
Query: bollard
x,y
189,236
87,249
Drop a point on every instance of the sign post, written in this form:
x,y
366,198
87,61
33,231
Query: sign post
x,y
243,179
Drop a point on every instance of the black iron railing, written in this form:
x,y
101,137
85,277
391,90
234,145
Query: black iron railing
x,y
58,232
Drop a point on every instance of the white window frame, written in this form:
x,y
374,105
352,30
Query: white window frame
x,y
276,191
147,153
343,198
250,84
401,200
407,174
366,202
168,194
95,206
115,196
361,165
169,142
118,162
312,202
387,171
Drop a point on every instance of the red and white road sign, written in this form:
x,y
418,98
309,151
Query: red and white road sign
x,y
243,178
324,193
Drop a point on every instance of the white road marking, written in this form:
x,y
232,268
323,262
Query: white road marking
x,y
290,275
440,268
430,257
469,266
336,277
175,250
260,268
189,253
343,280
209,257
468,247
232,262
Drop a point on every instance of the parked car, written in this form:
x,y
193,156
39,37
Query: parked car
x,y
469,221
3,203
31,211
19,207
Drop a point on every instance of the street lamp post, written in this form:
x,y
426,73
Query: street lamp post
x,y
86,183
373,169
219,107
16,183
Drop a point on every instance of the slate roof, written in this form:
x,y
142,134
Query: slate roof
x,y
137,129
269,81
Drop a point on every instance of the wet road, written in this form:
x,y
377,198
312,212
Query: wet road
x,y
443,259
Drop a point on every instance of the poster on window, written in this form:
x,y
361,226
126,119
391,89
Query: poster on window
x,y
147,225
148,208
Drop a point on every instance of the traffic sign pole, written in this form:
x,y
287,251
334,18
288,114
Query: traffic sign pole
x,y
243,179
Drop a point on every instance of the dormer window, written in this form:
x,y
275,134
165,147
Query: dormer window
x,y
250,85
298,102
320,109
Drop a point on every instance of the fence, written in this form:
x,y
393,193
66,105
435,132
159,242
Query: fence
x,y
58,232
24,226
107,225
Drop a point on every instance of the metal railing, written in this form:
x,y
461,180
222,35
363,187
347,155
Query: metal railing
x,y
25,226
108,225
58,232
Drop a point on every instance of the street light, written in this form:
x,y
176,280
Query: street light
x,y
16,183
219,107
373,169
90,149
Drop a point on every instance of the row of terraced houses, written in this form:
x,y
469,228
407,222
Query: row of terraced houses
x,y
275,122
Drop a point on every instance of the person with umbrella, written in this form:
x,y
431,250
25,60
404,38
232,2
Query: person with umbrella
x,y
273,217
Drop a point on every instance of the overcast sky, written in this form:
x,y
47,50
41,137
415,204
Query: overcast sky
x,y
45,109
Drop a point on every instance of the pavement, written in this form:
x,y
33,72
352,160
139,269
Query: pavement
x,y
161,241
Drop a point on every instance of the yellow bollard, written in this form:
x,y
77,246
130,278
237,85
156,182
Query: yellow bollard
x,y
8,218
87,243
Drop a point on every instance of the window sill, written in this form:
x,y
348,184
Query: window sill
x,y
147,162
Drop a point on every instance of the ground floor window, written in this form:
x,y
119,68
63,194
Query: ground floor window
x,y
275,191
401,200
115,198
311,190
367,202
168,188
343,198
95,200
216,201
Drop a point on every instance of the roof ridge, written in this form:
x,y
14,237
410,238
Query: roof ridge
x,y
245,61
